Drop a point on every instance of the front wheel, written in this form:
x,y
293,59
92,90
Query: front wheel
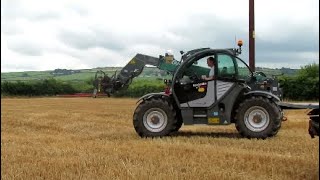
x,y
154,117
258,117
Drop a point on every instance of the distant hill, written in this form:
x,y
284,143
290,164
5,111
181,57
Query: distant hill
x,y
284,71
87,74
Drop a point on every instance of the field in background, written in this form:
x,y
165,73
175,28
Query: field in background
x,y
87,138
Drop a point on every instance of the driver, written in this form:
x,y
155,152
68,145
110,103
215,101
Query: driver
x,y
211,63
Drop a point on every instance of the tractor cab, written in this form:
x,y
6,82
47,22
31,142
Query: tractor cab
x,y
227,65
190,87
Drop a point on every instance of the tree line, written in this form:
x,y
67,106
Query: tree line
x,y
47,87
303,86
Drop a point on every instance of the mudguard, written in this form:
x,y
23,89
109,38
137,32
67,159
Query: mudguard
x,y
265,94
150,95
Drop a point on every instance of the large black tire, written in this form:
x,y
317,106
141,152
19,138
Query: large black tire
x,y
178,125
258,117
313,126
154,117
314,123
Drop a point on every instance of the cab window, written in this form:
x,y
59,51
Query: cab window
x,y
226,66
199,67
244,72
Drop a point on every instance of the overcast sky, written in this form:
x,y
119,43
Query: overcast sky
x,y
41,35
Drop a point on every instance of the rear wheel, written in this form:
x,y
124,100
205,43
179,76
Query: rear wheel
x,y
314,122
258,117
178,125
154,117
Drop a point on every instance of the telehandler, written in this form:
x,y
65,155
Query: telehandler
x,y
236,95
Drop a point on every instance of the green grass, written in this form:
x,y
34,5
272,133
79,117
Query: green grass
x,y
76,77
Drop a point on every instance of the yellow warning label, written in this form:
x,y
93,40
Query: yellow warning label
x,y
201,89
169,59
214,120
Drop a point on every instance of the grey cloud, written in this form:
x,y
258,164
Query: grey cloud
x,y
286,50
44,16
78,9
204,30
20,67
10,28
216,33
297,39
12,9
289,45
285,57
200,31
208,31
91,39
25,48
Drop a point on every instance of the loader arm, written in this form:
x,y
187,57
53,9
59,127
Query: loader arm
x,y
131,70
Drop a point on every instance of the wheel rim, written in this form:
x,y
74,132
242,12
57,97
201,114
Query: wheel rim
x,y
155,120
256,119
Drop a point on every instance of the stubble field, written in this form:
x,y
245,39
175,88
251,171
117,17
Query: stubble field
x,y
87,138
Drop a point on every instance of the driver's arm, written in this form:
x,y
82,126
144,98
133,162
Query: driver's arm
x,y
204,77
211,75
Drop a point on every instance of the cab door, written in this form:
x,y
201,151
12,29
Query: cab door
x,y
203,94
191,90
215,90
226,74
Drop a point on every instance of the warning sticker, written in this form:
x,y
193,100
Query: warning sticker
x,y
201,89
213,120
